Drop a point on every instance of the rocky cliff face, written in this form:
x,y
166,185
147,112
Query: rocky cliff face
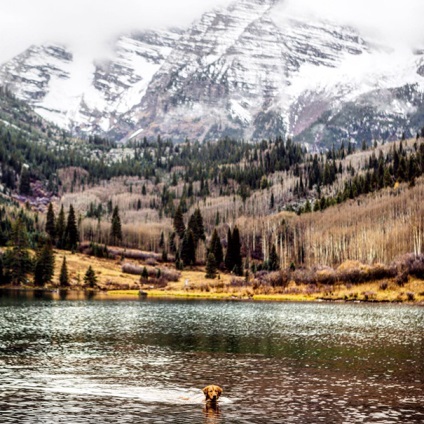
x,y
245,71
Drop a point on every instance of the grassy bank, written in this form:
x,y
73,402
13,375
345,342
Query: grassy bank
x,y
412,292
298,286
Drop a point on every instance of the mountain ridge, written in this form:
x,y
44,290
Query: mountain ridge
x,y
244,71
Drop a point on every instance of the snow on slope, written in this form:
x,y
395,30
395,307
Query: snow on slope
x,y
243,70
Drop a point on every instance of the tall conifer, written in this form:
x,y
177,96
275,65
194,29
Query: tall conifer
x,y
50,223
71,233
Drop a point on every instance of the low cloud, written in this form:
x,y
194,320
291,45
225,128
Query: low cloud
x,y
395,23
89,25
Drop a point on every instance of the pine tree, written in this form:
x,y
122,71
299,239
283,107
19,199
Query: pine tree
x,y
50,223
199,225
215,247
236,245
188,249
17,261
195,224
90,278
229,256
25,183
64,276
145,274
61,229
162,240
116,228
272,201
44,265
274,260
2,276
210,266
71,232
179,225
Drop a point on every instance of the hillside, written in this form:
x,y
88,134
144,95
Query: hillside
x,y
347,216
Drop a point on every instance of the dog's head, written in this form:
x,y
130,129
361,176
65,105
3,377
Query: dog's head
x,y
212,393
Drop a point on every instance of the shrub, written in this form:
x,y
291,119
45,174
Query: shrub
x,y
410,296
167,273
384,285
402,278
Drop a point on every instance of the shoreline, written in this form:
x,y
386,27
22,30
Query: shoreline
x,y
76,293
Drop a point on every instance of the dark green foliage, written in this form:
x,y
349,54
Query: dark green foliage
x,y
162,240
164,256
71,232
2,276
236,245
179,225
144,274
178,262
90,278
64,276
99,251
188,249
195,224
211,266
17,261
51,223
116,227
61,229
274,260
44,265
215,247
229,256
233,260
25,183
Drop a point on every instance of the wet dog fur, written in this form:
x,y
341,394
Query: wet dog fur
x,y
212,393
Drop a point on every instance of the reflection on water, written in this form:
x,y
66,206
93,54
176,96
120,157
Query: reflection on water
x,y
82,361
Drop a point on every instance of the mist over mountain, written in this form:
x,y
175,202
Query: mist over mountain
x,y
249,69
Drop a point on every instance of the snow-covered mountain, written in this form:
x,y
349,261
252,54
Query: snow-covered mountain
x,y
246,71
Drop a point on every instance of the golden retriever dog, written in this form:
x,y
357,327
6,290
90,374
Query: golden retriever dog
x,y
212,393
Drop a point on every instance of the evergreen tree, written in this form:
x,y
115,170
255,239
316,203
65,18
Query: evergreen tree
x,y
272,201
195,224
229,256
64,276
215,247
274,260
172,245
188,249
236,245
210,266
50,223
162,240
44,265
71,232
61,229
179,225
90,278
17,261
2,276
25,183
116,228
144,274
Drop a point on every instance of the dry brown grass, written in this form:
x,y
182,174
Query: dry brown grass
x,y
108,272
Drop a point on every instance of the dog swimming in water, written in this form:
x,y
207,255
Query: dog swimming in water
x,y
212,393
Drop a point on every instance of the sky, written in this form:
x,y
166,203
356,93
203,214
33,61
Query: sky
x,y
89,24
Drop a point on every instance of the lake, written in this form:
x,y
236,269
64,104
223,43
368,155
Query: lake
x,y
136,361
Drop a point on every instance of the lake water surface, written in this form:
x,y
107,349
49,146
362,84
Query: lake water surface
x,y
98,361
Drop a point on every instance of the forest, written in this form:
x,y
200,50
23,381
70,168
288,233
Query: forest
x,y
229,206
